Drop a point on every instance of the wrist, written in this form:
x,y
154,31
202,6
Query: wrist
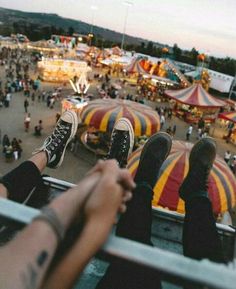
x,y
49,216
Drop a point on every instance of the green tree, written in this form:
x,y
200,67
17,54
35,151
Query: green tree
x,y
149,49
70,31
177,52
194,54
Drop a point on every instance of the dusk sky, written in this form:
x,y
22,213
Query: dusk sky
x,y
207,25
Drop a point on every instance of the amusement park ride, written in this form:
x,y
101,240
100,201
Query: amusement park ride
x,y
78,100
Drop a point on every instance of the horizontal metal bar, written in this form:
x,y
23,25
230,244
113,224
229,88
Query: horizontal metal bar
x,y
170,265
16,213
58,182
180,217
171,214
201,273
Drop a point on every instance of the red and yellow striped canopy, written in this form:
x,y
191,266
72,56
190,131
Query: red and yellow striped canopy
x,y
103,113
231,116
222,183
135,66
195,95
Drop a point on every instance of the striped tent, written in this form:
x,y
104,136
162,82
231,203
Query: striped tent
x,y
195,95
103,113
135,66
231,116
102,54
116,51
222,183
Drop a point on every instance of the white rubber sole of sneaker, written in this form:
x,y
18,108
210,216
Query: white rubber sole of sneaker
x,y
128,124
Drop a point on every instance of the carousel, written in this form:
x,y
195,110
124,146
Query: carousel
x,y
100,117
194,103
222,182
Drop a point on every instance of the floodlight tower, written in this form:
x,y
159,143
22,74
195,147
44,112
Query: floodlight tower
x,y
90,35
128,4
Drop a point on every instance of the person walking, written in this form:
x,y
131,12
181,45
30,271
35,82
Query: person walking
x,y
227,157
26,104
162,120
8,99
33,98
189,132
27,122
174,129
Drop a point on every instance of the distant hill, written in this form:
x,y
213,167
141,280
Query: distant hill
x,y
11,19
38,26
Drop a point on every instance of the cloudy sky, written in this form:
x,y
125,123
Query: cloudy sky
x,y
208,25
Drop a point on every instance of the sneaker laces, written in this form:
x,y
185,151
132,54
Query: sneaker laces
x,y
119,146
58,134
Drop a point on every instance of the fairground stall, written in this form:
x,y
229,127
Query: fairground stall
x,y
230,117
61,70
101,115
64,41
194,103
151,78
44,47
221,188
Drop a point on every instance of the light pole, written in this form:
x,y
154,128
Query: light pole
x,y
128,4
93,8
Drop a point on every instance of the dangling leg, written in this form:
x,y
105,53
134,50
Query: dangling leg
x,y
200,237
136,223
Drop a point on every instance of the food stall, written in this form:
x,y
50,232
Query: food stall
x,y
45,47
230,117
61,70
193,103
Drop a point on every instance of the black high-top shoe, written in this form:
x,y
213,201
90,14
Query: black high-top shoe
x,y
201,160
154,153
55,144
122,141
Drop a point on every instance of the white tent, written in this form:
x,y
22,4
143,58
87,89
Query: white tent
x,y
219,81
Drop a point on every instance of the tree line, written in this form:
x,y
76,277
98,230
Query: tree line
x,y
35,32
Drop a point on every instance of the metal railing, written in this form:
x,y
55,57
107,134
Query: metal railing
x,y
173,268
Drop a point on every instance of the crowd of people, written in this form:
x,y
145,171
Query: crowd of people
x,y
11,150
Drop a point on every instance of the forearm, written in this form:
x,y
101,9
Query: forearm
x,y
27,257
71,266
37,242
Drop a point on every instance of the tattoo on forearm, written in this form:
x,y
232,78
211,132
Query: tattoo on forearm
x,y
42,258
29,278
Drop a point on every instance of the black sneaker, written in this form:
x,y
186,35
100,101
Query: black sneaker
x,y
154,153
55,144
201,160
122,141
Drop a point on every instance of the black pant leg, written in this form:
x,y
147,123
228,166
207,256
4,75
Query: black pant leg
x,y
200,236
135,224
21,180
